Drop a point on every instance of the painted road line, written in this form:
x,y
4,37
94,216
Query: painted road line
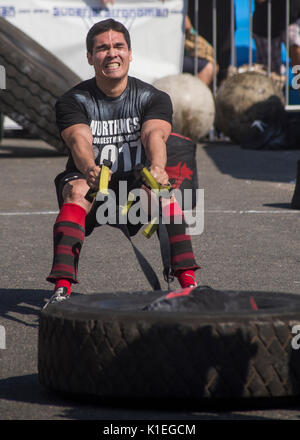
x,y
207,211
28,213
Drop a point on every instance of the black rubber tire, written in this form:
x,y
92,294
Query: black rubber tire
x,y
34,80
105,345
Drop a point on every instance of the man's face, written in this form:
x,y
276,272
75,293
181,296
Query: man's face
x,y
110,56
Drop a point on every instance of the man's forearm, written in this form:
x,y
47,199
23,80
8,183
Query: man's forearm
x,y
154,137
156,150
80,145
83,156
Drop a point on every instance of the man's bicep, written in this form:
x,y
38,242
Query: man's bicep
x,y
159,126
159,107
69,112
77,133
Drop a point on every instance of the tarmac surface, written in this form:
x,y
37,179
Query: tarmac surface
x,y
250,241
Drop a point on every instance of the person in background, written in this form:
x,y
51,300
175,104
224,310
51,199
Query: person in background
x,y
205,59
205,63
278,32
223,30
106,2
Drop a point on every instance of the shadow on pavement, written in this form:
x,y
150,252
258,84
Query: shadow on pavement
x,y
14,151
264,165
22,302
278,205
27,389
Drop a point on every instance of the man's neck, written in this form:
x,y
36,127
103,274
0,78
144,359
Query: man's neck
x,y
112,88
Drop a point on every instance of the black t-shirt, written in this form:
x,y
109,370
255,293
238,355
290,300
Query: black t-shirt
x,y
278,14
115,122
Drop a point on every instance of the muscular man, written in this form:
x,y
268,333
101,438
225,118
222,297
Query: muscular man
x,y
111,116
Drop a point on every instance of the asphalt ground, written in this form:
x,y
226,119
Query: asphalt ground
x,y
250,241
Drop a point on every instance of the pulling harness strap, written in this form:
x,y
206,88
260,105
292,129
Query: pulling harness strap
x,y
161,230
165,248
144,264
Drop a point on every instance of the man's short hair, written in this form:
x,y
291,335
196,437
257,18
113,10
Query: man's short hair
x,y
104,26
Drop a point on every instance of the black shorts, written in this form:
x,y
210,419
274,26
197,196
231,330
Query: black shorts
x,y
69,175
114,184
188,64
61,179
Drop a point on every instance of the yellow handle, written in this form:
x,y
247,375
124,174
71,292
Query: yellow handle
x,y
150,180
154,185
151,228
130,200
104,179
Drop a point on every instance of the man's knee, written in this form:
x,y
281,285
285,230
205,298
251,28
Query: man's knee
x,y
207,73
75,191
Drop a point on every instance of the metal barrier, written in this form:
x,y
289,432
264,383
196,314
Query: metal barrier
x,y
234,4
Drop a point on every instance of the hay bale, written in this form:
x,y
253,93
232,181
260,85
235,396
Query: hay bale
x,y
193,104
244,98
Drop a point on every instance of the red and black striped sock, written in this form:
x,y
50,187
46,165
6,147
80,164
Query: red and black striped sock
x,y
68,238
182,255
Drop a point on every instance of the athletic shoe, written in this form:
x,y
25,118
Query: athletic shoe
x,y
193,281
60,294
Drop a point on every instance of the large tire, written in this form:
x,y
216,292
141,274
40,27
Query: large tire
x,y
34,80
110,346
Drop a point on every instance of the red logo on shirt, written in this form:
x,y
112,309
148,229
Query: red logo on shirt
x,y
179,173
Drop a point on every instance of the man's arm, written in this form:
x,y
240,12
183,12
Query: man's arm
x,y
154,134
79,140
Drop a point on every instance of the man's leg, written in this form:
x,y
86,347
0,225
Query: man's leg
x,y
262,52
205,68
295,55
182,256
68,236
207,74
183,262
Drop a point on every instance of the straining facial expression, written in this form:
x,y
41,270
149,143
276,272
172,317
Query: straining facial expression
x,y
110,55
